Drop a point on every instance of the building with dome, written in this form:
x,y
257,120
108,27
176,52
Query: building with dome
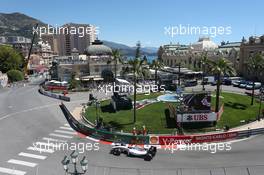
x,y
204,43
189,56
88,67
99,58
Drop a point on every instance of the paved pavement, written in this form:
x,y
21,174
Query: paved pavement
x,y
27,117
224,88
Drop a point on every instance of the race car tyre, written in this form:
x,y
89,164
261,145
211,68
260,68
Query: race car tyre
x,y
148,157
116,152
152,151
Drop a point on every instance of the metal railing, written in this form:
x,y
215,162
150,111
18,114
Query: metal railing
x,y
234,170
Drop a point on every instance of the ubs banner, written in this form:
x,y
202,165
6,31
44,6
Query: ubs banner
x,y
197,117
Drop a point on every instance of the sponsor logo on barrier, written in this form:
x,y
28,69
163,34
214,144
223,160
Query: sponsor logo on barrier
x,y
154,140
182,140
176,140
215,137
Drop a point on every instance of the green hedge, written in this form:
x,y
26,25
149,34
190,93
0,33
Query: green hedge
x,y
15,75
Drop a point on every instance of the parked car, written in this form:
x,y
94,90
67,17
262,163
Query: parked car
x,y
190,83
214,83
250,85
236,83
243,84
227,81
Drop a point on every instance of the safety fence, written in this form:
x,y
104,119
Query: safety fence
x,y
155,139
102,134
53,95
234,170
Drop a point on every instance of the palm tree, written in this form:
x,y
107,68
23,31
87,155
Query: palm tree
x,y
138,67
255,66
204,62
220,68
156,65
117,57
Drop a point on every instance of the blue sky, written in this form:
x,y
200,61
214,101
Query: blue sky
x,y
127,21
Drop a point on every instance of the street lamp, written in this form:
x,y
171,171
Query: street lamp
x,y
203,76
74,159
179,71
97,104
261,96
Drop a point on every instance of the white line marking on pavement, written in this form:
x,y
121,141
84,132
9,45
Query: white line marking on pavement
x,y
24,163
32,156
65,132
47,145
66,128
93,139
53,140
59,135
37,108
40,150
11,171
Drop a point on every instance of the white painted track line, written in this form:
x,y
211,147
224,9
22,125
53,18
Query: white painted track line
x,y
20,162
92,139
32,156
65,132
66,128
59,135
40,150
11,171
53,140
47,145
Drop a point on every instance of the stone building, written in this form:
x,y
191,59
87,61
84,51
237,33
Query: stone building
x,y
190,56
86,67
248,49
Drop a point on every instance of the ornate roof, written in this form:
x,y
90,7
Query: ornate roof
x,y
97,48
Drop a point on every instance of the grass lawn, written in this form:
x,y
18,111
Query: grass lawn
x,y
236,108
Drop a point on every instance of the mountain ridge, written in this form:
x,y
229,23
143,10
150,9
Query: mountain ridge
x,y
19,24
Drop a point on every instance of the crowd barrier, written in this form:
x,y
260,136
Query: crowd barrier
x,y
156,139
101,134
57,96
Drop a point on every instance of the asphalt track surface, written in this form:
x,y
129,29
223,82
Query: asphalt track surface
x,y
27,117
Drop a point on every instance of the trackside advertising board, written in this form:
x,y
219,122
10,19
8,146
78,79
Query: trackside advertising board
x,y
197,117
168,140
214,137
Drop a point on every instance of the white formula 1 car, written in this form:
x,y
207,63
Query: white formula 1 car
x,y
147,152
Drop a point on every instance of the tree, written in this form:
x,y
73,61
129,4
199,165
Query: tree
x,y
107,75
204,63
138,67
160,52
15,75
73,83
10,59
255,66
116,58
156,65
220,68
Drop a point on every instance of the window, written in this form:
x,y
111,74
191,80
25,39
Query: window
x,y
96,68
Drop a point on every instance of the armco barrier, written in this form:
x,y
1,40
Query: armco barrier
x,y
57,96
100,134
156,139
250,132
